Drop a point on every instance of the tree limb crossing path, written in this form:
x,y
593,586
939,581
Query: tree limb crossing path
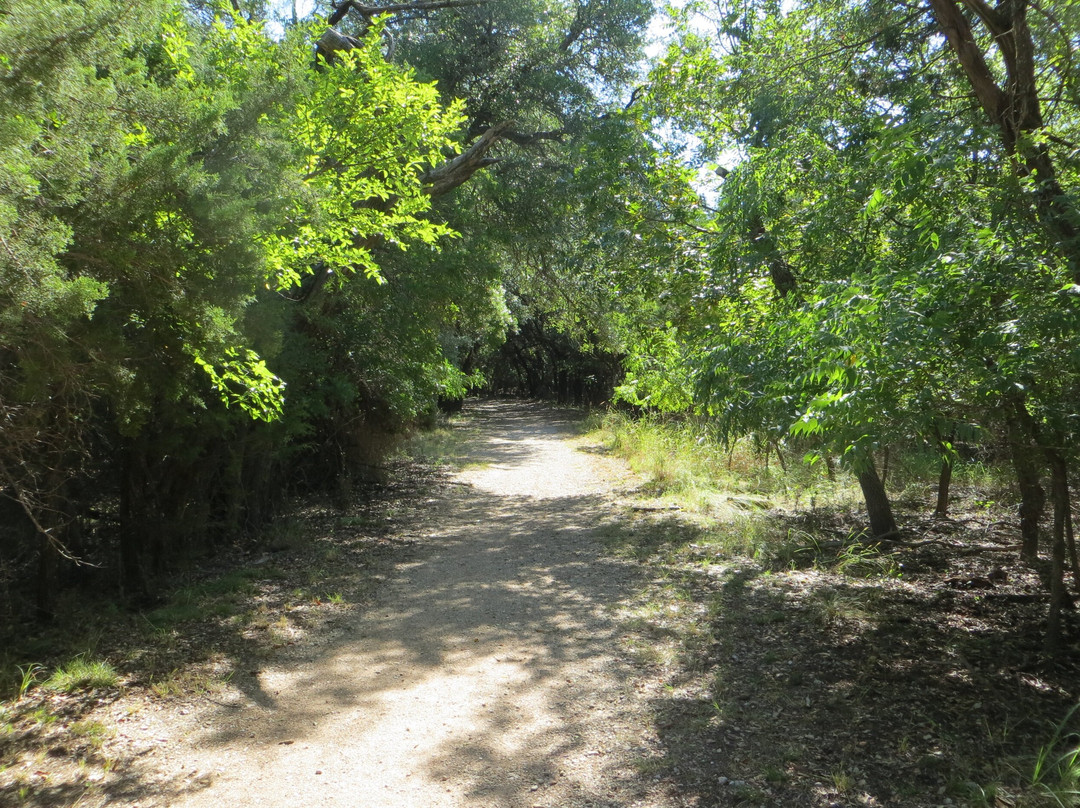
x,y
490,672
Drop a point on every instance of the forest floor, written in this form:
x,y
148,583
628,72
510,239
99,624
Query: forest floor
x,y
524,627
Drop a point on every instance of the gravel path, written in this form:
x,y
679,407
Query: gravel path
x,y
490,672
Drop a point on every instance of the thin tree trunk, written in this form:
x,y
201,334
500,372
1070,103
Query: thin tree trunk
x,y
133,530
1060,487
780,457
878,508
51,534
1032,503
780,271
47,576
1070,544
1022,441
941,510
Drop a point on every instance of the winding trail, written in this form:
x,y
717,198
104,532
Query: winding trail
x,y
489,673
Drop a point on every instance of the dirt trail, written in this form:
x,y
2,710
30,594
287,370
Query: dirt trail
x,y
489,673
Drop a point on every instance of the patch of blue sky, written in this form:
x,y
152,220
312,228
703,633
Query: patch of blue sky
x,y
283,12
667,26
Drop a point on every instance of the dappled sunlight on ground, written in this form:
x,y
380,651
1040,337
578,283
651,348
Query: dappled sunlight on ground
x,y
486,673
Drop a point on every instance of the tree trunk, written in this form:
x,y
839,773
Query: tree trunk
x,y
47,576
780,457
878,508
1060,487
447,176
1014,106
1032,503
133,530
1070,545
52,529
780,271
1022,441
941,510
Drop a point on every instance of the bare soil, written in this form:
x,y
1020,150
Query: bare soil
x,y
525,631
480,664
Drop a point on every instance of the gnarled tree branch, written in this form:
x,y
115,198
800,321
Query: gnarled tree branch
x,y
531,138
368,12
449,175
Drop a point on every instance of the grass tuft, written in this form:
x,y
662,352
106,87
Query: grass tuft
x,y
82,673
1056,773
217,597
867,561
28,677
188,682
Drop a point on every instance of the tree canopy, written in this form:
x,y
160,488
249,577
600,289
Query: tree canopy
x,y
234,256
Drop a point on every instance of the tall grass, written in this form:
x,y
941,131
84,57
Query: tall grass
x,y
440,445
683,458
1056,772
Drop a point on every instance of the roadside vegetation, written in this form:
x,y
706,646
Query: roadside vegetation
x,y
799,658
827,250
67,693
788,656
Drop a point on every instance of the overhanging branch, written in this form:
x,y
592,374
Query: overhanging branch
x,y
369,12
531,138
449,175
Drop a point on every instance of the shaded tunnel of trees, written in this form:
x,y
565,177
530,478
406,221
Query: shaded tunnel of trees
x,y
537,362
241,251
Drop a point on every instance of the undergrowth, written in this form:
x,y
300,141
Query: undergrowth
x,y
812,574
441,444
682,460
